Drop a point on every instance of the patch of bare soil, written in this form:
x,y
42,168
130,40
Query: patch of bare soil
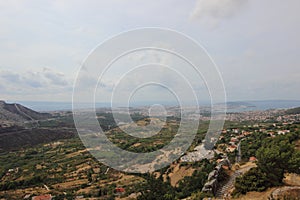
x,y
292,179
132,196
74,154
70,184
179,173
257,195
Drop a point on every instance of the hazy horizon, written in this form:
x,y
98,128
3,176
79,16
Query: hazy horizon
x,y
236,106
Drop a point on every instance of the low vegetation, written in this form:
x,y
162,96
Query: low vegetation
x,y
276,156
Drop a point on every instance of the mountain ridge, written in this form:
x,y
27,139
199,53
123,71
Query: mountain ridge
x,y
17,113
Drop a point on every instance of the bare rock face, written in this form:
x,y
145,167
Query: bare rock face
x,y
286,192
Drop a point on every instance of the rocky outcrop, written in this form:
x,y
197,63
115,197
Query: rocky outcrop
x,y
287,192
212,184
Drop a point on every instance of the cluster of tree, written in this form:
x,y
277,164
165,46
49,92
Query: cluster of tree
x,y
11,185
276,156
157,188
191,184
107,120
293,111
150,144
250,145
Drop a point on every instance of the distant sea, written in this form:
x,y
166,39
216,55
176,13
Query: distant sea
x,y
241,106
43,106
231,106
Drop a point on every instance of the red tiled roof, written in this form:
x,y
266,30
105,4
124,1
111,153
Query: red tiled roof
x,y
252,158
120,190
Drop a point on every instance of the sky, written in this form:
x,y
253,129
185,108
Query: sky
x,y
44,44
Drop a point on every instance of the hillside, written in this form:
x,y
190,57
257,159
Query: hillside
x,y
293,111
16,113
21,138
22,127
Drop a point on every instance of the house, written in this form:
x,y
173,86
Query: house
x,y
119,190
235,130
42,197
234,140
272,134
231,148
246,133
252,159
283,132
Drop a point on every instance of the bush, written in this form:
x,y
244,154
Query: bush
x,y
253,180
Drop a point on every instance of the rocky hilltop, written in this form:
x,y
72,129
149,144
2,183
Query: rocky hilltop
x,y
22,127
16,113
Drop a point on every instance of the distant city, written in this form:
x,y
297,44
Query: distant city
x,y
232,106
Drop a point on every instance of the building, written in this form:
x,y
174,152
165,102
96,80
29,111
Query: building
x,y
252,159
119,191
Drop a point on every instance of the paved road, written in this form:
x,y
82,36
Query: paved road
x,y
239,155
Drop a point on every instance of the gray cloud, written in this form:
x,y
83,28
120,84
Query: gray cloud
x,y
213,11
55,78
10,77
46,81
255,45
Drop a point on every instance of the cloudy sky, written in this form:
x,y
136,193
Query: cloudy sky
x,y
254,43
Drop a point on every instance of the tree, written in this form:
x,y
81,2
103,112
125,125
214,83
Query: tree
x,y
156,189
191,184
275,157
294,163
273,160
253,180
